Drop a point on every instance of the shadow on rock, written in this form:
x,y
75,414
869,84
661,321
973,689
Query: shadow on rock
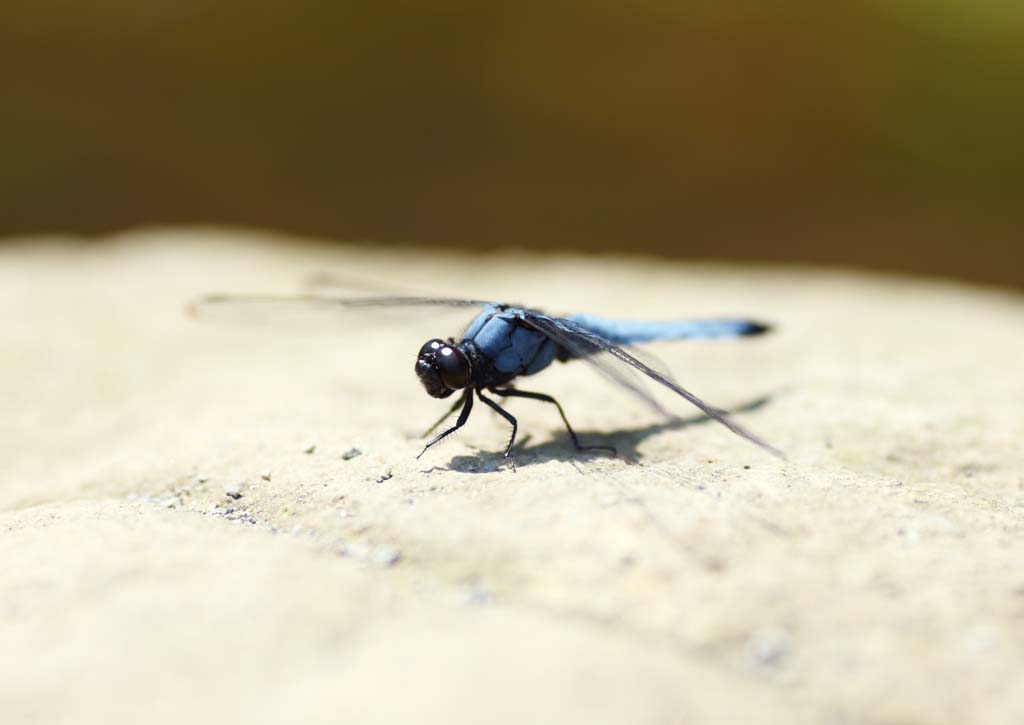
x,y
625,443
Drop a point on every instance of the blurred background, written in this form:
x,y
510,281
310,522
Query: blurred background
x,y
882,133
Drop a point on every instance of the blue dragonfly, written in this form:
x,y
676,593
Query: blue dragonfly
x,y
505,342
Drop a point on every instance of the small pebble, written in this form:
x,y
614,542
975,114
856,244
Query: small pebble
x,y
202,478
385,476
350,454
768,647
309,449
385,556
265,475
233,490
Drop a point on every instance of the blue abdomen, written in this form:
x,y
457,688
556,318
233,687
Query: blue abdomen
x,y
627,332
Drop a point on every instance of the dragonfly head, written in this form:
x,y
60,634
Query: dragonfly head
x,y
442,368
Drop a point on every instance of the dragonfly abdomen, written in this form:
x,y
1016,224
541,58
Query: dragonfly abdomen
x,y
628,332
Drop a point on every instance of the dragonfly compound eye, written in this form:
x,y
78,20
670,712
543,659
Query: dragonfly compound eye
x,y
442,369
453,366
431,346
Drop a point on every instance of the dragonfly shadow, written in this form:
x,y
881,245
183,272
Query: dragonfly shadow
x,y
625,442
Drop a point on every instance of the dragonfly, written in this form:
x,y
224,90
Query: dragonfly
x,y
507,342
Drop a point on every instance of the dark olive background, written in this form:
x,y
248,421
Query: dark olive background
x,y
884,133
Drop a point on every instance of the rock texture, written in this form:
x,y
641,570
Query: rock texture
x,y
226,521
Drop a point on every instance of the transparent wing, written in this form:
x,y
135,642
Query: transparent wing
x,y
621,366
295,310
323,282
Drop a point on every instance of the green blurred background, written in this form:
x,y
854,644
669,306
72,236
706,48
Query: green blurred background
x,y
884,133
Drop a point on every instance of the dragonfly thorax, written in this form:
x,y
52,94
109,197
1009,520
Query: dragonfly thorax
x,y
442,368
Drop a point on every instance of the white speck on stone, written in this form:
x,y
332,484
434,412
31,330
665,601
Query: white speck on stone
x,y
768,646
384,556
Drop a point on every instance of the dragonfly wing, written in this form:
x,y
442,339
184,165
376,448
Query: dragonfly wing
x,y
303,308
589,346
618,364
328,301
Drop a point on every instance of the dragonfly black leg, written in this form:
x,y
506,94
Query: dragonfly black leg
x,y
443,418
504,414
513,393
467,406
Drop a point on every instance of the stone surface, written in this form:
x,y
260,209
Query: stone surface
x,y
874,577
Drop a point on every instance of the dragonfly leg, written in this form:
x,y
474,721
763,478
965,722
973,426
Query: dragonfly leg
x,y
443,418
513,393
467,406
504,414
